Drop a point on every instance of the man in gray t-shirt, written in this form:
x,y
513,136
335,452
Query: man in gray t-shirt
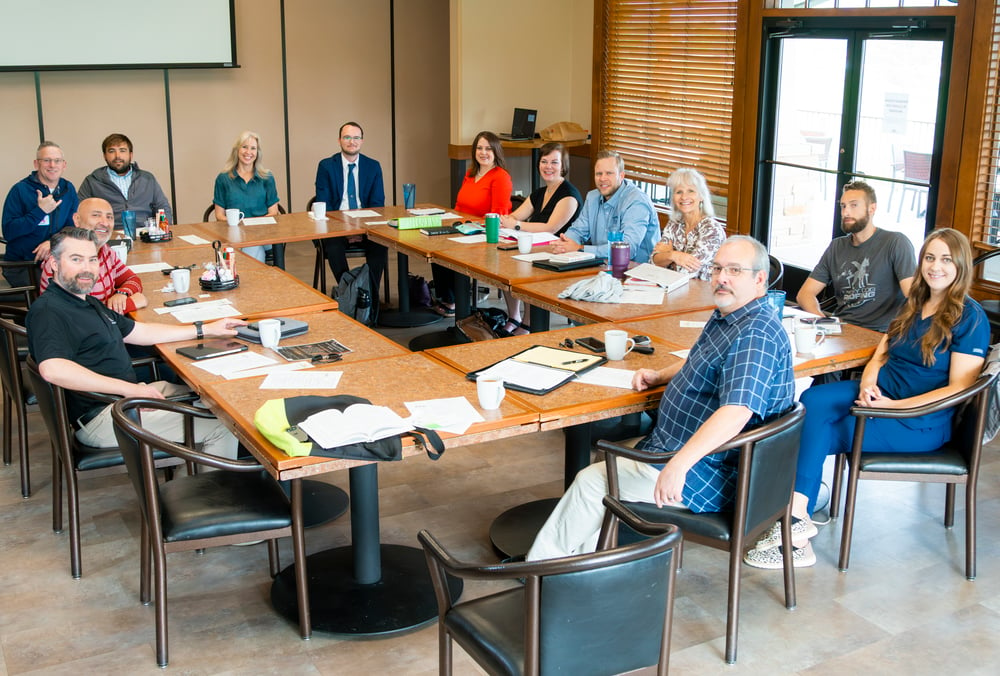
x,y
870,269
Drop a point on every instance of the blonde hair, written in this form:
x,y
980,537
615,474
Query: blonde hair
x,y
234,156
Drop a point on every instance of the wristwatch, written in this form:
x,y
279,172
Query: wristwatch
x,y
124,292
199,330
517,226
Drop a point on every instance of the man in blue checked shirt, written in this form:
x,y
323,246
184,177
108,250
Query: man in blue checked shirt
x,y
737,375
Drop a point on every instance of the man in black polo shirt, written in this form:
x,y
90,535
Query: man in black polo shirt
x,y
79,344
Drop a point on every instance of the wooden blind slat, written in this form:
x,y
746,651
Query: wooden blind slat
x,y
668,70
987,197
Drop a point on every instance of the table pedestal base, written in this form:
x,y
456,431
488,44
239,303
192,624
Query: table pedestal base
x,y
513,532
403,600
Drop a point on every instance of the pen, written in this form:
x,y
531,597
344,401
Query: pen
x,y
574,361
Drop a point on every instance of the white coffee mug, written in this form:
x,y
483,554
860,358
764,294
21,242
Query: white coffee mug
x,y
270,332
122,252
491,392
319,211
525,241
181,279
807,338
233,217
617,344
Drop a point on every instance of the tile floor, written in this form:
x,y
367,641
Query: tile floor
x,y
904,607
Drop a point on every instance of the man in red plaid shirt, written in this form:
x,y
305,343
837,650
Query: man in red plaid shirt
x,y
116,286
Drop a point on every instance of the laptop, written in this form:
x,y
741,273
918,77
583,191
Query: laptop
x,y
523,127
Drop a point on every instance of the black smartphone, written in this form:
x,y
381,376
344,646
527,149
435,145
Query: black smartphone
x,y
212,348
505,246
180,301
591,343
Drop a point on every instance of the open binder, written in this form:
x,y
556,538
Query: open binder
x,y
539,369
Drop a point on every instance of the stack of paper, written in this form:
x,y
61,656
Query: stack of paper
x,y
669,280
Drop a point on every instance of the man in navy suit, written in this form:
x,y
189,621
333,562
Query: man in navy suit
x,y
350,180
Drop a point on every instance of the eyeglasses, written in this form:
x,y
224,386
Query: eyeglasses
x,y
51,160
348,139
731,270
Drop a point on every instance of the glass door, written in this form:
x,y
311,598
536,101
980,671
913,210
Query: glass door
x,y
841,104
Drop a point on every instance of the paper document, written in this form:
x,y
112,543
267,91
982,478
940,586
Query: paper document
x,y
454,415
260,220
428,211
362,213
376,222
536,237
314,380
528,376
469,239
531,257
194,239
608,377
205,312
642,295
313,216
174,310
141,268
234,362
266,370
668,279
686,324
683,354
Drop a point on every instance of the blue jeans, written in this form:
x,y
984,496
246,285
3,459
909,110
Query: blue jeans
x,y
829,428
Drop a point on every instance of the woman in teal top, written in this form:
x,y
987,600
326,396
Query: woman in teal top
x,y
245,185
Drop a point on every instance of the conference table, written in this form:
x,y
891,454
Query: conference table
x,y
543,296
264,291
294,227
367,588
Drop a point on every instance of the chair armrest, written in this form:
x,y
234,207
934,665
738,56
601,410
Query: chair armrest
x,y
636,454
121,417
98,396
914,411
633,520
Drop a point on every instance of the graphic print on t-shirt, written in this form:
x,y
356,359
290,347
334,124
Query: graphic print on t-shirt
x,y
857,288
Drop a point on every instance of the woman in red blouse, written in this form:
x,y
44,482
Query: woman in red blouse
x,y
486,189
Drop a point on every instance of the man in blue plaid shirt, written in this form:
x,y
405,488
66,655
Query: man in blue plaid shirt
x,y
737,375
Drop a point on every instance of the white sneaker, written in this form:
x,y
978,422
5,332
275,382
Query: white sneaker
x,y
802,531
772,559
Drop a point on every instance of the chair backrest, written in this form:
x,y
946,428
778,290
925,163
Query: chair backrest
x,y
982,258
22,294
612,618
970,421
52,405
775,273
916,166
309,204
10,366
767,468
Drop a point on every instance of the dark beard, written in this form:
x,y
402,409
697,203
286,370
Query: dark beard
x,y
75,287
858,225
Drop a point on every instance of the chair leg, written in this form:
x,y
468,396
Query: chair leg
x,y
733,613
845,538
57,522
838,478
949,505
8,432
789,565
273,562
73,513
22,446
444,651
160,573
145,564
970,531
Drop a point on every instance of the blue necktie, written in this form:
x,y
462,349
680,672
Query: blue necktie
x,y
352,188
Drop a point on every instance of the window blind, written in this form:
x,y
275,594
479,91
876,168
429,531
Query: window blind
x,y
988,190
667,86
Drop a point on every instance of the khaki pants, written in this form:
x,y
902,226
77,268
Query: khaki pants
x,y
214,436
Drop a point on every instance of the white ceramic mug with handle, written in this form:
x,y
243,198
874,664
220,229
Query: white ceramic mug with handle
x,y
808,337
181,278
617,344
233,217
270,332
319,211
491,392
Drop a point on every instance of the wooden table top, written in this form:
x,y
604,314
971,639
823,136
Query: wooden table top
x,y
573,403
295,227
187,230
389,381
414,242
499,268
853,347
364,343
694,295
264,291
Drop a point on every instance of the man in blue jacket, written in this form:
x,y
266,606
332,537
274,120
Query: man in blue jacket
x,y
38,206
350,180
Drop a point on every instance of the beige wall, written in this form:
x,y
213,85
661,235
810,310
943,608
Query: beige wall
x,y
521,53
336,71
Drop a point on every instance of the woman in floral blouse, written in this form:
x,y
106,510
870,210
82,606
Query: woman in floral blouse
x,y
692,236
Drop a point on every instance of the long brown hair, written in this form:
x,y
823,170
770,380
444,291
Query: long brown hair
x,y
494,142
950,311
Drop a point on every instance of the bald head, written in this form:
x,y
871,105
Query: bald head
x,y
96,214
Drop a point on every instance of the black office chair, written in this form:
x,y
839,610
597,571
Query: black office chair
x,y
21,295
765,481
957,462
238,504
603,613
776,272
74,458
355,248
13,352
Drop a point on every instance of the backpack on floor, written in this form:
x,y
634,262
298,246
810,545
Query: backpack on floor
x,y
355,296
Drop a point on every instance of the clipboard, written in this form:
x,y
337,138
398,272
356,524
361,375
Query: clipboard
x,y
540,369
